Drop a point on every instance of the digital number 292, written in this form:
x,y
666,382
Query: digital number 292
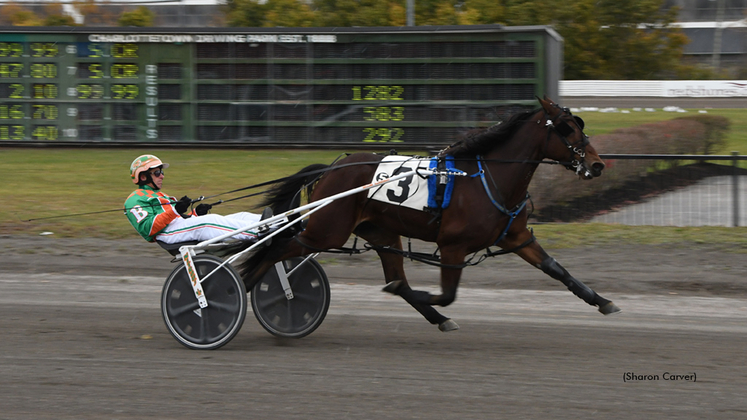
x,y
384,135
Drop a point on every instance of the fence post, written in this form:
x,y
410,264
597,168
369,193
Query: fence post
x,y
735,188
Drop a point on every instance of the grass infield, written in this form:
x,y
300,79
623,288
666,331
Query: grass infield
x,y
51,182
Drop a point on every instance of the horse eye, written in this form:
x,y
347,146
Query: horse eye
x,y
564,129
579,121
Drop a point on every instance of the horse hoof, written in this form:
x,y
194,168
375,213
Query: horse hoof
x,y
609,309
448,325
393,287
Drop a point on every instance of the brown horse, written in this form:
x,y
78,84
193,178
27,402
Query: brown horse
x,y
487,208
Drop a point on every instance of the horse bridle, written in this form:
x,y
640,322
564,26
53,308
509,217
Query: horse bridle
x,y
563,130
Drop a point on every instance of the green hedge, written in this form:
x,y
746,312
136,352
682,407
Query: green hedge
x,y
696,135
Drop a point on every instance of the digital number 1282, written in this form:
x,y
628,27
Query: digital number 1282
x,y
378,93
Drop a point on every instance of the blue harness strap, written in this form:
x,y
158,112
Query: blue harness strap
x,y
435,180
510,213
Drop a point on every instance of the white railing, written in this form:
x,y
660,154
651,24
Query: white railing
x,y
655,88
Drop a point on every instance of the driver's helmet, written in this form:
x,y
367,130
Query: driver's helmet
x,y
144,163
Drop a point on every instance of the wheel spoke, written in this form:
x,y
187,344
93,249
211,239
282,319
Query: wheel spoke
x,y
306,297
211,282
267,303
289,315
204,338
228,307
175,312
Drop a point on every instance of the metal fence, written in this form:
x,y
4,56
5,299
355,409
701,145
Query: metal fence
x,y
661,190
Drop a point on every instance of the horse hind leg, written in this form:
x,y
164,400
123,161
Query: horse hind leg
x,y
415,298
394,275
449,282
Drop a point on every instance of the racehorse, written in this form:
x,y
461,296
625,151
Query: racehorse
x,y
487,208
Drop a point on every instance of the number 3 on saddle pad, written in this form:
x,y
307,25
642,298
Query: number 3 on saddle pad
x,y
411,191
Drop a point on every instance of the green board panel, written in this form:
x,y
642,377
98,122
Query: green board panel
x,y
267,86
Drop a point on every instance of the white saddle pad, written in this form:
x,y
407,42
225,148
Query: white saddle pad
x,y
411,191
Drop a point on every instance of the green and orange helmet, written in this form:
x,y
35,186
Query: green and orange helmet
x,y
144,163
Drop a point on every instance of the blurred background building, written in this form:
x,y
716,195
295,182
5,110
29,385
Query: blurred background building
x,y
717,31
716,28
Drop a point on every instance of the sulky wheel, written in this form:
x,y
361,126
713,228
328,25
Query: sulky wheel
x,y
211,327
301,315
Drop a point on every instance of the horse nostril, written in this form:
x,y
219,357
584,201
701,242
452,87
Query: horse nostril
x,y
597,168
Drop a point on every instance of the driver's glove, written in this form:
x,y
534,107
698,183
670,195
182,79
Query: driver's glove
x,y
182,205
203,209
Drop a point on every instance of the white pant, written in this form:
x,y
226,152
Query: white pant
x,y
202,228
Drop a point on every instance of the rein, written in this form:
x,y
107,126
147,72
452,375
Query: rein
x,y
274,181
331,168
278,180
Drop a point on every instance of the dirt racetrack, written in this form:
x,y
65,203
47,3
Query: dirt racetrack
x,y
82,338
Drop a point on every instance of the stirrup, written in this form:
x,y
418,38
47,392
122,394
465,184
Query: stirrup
x,y
266,213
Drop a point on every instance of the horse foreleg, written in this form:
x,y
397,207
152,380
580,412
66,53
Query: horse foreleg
x,y
535,255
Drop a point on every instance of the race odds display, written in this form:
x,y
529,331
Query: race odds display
x,y
420,85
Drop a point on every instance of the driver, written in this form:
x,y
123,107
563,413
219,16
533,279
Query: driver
x,y
159,217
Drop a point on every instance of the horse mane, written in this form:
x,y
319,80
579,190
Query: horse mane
x,y
482,140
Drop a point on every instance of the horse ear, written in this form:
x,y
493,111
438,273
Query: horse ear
x,y
547,104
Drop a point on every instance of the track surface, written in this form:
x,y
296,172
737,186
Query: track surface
x,y
82,338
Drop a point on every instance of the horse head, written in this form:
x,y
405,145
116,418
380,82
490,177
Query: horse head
x,y
566,141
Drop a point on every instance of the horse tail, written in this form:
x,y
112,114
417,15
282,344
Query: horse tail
x,y
283,196
286,195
